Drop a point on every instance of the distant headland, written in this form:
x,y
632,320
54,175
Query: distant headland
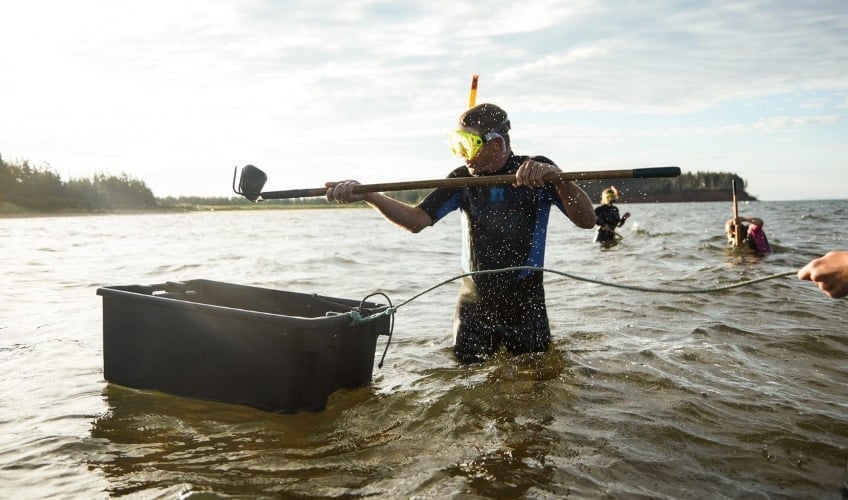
x,y
689,187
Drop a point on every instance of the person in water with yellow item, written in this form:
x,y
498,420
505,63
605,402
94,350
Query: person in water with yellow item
x,y
608,217
504,226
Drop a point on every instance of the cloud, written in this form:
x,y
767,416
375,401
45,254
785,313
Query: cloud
x,y
778,123
189,84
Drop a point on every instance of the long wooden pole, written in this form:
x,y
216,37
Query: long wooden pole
x,y
737,234
486,180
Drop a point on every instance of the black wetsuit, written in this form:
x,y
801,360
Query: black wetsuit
x,y
503,226
606,216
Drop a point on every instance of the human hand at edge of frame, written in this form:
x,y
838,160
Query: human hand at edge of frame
x,y
829,273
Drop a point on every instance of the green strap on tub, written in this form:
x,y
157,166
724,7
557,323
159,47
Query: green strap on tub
x,y
358,319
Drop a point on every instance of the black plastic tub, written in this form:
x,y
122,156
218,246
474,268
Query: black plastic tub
x,y
270,349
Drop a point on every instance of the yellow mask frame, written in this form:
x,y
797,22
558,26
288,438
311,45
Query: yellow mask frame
x,y
466,145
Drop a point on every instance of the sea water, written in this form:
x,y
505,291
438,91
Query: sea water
x,y
693,392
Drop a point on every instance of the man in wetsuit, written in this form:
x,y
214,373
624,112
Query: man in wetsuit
x,y
504,226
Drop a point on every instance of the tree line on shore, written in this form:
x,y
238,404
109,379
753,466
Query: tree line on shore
x,y
42,190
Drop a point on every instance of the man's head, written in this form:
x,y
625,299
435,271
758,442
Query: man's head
x,y
485,118
482,138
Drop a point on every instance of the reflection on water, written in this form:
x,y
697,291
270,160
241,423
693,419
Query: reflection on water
x,y
735,394
155,440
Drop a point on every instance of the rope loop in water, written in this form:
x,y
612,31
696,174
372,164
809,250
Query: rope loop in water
x,y
356,318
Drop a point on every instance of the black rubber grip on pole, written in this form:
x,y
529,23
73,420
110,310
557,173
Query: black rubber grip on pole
x,y
293,193
647,173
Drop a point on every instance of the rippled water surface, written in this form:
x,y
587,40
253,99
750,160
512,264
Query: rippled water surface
x,y
741,393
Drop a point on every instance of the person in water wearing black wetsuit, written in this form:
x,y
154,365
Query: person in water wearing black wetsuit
x,y
607,216
504,226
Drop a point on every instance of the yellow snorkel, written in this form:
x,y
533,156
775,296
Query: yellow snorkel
x,y
472,97
465,144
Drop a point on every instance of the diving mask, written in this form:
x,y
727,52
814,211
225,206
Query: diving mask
x,y
467,145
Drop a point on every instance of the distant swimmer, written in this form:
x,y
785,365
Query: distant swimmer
x,y
750,235
607,217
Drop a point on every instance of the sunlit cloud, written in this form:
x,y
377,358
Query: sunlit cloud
x,y
94,85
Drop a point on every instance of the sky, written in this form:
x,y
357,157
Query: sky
x,y
178,93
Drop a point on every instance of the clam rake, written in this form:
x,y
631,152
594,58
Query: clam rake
x,y
252,180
